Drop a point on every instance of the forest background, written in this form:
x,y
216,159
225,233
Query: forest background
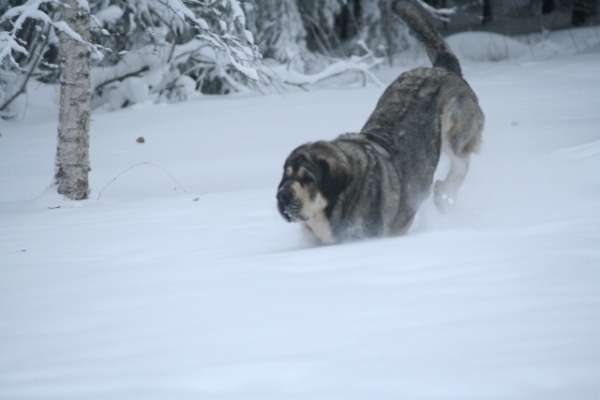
x,y
167,50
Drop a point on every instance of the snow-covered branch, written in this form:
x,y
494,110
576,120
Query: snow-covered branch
x,y
8,45
442,14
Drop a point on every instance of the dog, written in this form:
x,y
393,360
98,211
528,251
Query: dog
x,y
371,183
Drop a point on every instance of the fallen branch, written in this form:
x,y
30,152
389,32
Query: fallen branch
x,y
353,65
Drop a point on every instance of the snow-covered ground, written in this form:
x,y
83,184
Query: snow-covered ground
x,y
178,279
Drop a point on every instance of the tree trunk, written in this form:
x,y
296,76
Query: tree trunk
x,y
487,12
388,29
548,6
581,10
72,156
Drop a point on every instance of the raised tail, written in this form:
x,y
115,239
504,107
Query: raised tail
x,y
440,54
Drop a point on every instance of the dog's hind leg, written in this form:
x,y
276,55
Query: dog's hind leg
x,y
461,136
445,191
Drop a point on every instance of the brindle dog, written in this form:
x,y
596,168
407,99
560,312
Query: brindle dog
x,y
371,184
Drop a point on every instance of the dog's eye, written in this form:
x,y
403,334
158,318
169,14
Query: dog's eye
x,y
306,179
287,172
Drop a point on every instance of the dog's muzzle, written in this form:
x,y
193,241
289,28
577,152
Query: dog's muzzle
x,y
289,207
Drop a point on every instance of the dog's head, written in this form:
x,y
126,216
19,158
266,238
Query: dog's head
x,y
314,175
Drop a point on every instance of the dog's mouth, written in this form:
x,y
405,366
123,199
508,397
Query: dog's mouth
x,y
290,215
289,206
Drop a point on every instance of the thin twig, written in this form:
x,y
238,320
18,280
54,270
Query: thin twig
x,y
122,77
137,165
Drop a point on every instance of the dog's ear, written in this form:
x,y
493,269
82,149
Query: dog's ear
x,y
335,176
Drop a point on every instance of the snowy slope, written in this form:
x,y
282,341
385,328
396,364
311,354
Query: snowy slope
x,y
179,280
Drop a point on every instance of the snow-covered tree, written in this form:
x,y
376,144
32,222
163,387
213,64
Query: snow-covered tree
x,y
384,32
167,49
152,48
319,19
278,29
25,33
380,29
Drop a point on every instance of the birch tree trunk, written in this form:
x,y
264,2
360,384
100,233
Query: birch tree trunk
x,y
72,155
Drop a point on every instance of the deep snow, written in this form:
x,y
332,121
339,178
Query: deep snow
x,y
179,280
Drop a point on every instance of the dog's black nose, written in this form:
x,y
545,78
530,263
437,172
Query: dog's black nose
x,y
285,196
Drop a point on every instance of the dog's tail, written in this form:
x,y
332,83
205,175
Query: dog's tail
x,y
440,54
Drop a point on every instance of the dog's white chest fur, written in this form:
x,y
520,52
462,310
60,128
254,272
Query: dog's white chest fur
x,y
316,224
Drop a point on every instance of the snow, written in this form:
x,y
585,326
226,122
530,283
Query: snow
x,y
109,15
64,27
181,281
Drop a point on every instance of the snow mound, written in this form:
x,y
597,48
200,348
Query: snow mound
x,y
485,46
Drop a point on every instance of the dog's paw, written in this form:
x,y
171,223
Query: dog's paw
x,y
442,199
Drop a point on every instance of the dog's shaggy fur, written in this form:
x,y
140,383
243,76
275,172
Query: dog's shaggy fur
x,y
371,183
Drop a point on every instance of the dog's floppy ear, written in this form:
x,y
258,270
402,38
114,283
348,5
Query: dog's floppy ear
x,y
335,176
